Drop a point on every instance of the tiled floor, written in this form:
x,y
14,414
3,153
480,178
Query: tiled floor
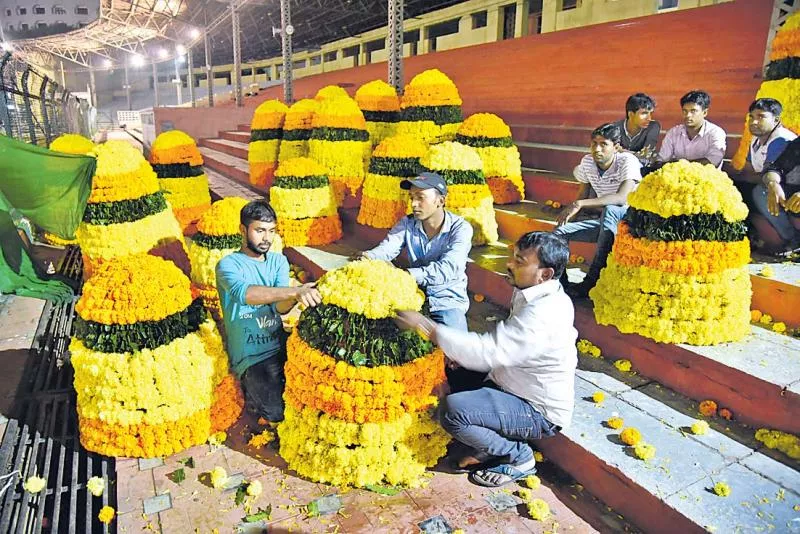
x,y
194,506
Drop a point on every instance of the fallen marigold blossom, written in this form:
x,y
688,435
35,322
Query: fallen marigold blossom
x,y
217,438
259,440
106,514
699,427
765,319
644,451
726,414
708,408
755,315
623,365
767,271
254,488
538,509
96,486
34,484
525,494
779,327
531,481
630,436
538,456
722,489
615,422
598,397
218,477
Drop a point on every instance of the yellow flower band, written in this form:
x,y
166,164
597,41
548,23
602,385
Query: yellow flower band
x,y
359,394
269,115
481,217
673,308
331,92
400,146
300,167
484,125
186,192
72,144
377,95
680,257
373,288
263,151
303,203
309,232
503,162
427,131
452,156
292,149
685,188
223,217
379,213
127,184
122,239
467,196
327,450
188,154
204,263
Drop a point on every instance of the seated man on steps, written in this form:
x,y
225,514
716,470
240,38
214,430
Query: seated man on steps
x,y
253,286
778,198
611,176
530,359
639,132
697,139
437,243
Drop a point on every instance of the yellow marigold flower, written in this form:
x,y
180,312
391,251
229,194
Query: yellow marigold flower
x,y
767,271
538,509
484,125
72,144
259,440
630,436
700,427
765,319
779,327
217,438
106,514
34,484
218,477
538,456
532,481
254,488
96,486
755,315
722,489
623,365
644,451
400,146
525,494
782,441
223,217
598,397
452,156
615,422
330,91
586,347
548,202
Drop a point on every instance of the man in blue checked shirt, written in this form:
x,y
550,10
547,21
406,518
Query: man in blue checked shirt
x,y
437,243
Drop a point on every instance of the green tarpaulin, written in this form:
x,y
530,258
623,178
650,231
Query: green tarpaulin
x,y
50,189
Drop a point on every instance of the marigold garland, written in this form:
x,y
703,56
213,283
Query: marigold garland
x,y
223,217
687,291
381,106
228,404
53,239
340,143
383,202
491,138
462,169
297,128
310,232
788,444
188,196
72,144
431,108
266,130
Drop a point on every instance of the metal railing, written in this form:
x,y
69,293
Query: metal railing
x,y
35,109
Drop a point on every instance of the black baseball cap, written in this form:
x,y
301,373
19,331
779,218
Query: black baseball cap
x,y
426,180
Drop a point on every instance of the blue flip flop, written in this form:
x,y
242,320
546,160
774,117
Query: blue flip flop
x,y
508,470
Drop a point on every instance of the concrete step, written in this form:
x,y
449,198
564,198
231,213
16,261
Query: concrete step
x,y
667,494
232,148
561,159
580,135
241,137
230,166
542,185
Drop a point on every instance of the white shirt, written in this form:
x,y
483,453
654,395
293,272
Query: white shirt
x,y
625,167
709,143
531,354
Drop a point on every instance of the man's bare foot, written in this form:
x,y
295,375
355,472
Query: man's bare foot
x,y
467,461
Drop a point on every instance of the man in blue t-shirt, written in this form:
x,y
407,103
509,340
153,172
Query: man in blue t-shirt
x,y
253,286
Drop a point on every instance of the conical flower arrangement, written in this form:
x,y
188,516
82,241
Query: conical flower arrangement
x,y
266,131
502,167
781,82
678,269
383,203
72,144
179,167
297,128
430,108
330,91
340,143
127,212
467,192
358,390
381,106
217,236
146,361
303,199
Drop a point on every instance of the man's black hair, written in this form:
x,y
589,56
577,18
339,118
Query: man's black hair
x,y
769,105
610,131
701,98
257,210
552,250
639,101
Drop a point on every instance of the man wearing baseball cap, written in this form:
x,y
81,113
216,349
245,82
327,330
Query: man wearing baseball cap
x,y
437,243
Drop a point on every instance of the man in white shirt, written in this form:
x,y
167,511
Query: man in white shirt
x,y
530,359
697,139
610,176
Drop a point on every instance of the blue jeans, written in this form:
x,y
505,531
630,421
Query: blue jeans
x,y
590,231
263,384
453,317
783,222
494,422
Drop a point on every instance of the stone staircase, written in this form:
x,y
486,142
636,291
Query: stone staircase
x,y
758,379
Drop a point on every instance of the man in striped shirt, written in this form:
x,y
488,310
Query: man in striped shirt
x,y
610,176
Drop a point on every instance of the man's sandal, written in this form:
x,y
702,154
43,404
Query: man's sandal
x,y
499,475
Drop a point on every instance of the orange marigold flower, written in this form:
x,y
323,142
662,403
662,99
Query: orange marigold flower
x,y
708,408
726,414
